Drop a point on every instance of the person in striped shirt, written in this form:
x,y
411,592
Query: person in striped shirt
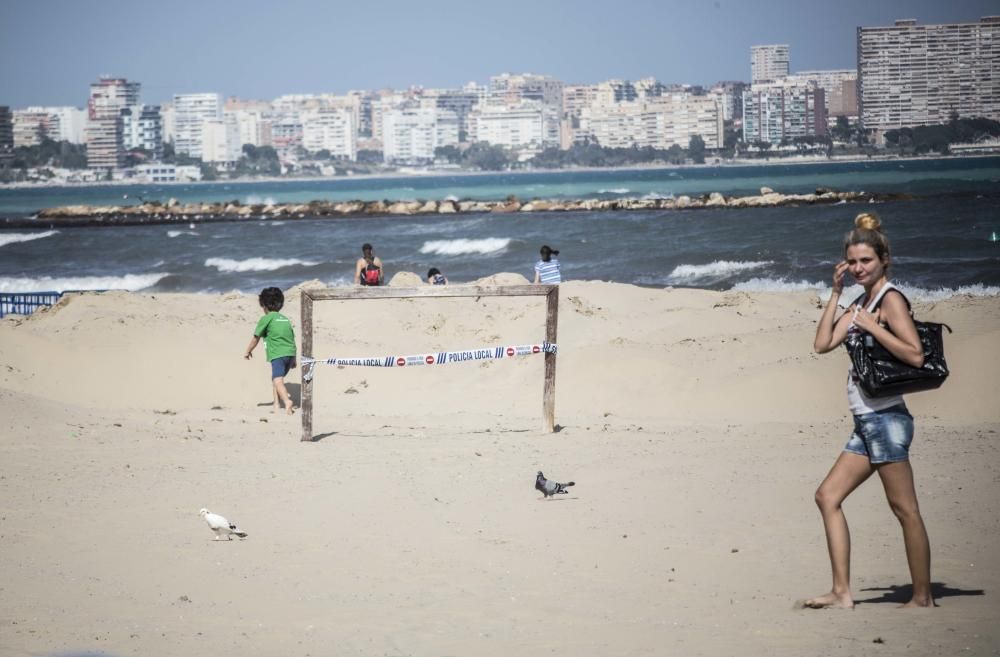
x,y
547,269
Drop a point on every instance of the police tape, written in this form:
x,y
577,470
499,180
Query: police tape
x,y
438,358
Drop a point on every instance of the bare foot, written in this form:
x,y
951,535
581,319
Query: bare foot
x,y
830,601
290,408
921,603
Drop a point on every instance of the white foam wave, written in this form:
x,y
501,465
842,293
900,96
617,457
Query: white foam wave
x,y
777,285
130,282
176,233
464,246
717,268
656,196
913,293
14,238
253,199
614,190
227,266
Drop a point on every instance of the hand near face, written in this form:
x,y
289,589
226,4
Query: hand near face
x,y
838,276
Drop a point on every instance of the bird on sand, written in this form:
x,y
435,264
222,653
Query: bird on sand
x,y
221,526
549,488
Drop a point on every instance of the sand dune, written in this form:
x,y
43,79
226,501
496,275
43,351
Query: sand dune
x,y
696,425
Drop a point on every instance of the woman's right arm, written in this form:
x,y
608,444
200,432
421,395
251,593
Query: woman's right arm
x,y
830,333
357,270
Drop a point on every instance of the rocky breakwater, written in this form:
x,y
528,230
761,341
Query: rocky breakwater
x,y
174,212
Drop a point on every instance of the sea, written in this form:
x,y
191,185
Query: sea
x,y
945,240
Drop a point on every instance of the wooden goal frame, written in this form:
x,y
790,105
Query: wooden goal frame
x,y
550,292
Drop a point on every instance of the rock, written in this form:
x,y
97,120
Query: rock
x,y
172,203
428,207
682,202
715,199
764,191
446,207
820,191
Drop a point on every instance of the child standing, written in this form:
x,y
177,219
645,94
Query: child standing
x,y
279,343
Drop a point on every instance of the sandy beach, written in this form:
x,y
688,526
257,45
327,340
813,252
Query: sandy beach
x,y
695,424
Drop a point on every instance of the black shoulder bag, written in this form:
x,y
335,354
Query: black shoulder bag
x,y
880,374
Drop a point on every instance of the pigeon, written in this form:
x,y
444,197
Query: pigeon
x,y
549,488
221,526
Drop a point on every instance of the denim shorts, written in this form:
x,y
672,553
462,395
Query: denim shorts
x,y
281,365
883,436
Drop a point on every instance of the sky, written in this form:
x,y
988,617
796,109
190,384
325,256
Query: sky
x,y
51,50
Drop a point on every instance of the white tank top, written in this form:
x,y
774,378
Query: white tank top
x,y
857,401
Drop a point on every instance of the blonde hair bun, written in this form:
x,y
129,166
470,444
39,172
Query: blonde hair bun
x,y
868,221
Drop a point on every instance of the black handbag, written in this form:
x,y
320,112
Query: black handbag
x,y
880,374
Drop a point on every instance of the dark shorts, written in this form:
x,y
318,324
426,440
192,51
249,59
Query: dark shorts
x,y
281,365
883,436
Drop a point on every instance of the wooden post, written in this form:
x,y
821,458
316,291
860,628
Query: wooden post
x,y
306,401
549,392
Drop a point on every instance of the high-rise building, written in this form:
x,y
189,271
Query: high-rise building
x,y
839,87
768,63
412,135
61,123
6,135
731,95
773,113
511,90
142,127
31,126
331,129
528,125
220,141
460,101
911,75
105,143
190,112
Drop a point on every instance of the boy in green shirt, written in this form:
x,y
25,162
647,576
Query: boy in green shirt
x,y
279,342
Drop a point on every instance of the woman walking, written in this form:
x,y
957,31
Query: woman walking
x,y
883,427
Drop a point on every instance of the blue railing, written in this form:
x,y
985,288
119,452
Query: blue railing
x,y
25,303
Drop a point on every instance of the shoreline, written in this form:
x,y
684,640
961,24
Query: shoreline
x,y
432,173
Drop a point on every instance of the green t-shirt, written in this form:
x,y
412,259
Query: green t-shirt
x,y
279,338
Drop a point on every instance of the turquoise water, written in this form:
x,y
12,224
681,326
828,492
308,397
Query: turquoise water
x,y
913,176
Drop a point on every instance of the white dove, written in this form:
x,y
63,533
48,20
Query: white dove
x,y
221,526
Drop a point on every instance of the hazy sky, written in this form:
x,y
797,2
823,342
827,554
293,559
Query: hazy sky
x,y
51,50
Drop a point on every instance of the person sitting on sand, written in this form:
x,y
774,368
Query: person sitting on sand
x,y
435,277
279,343
883,427
368,269
547,270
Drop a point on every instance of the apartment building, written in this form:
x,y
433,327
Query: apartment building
x,y
730,94
659,122
220,141
104,134
511,89
461,102
911,75
142,127
331,129
782,111
31,126
768,63
61,123
527,125
840,88
190,111
412,135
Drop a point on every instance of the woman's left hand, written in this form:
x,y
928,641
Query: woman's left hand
x,y
867,321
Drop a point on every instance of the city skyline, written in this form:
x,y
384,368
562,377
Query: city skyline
x,y
281,52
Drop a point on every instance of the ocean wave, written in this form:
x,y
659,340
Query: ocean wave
x,y
176,233
777,285
715,269
464,246
14,238
130,282
656,196
253,199
614,190
914,293
228,266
